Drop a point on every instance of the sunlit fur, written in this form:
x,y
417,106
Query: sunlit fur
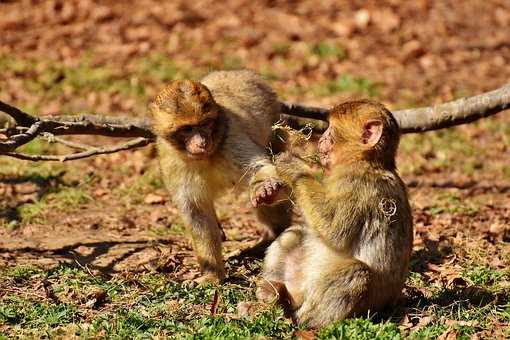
x,y
353,253
244,108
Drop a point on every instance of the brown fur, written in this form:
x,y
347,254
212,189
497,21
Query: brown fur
x,y
243,108
355,248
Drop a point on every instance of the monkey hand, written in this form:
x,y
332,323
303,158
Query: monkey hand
x,y
290,167
265,192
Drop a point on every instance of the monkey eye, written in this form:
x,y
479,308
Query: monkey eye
x,y
206,107
208,123
186,129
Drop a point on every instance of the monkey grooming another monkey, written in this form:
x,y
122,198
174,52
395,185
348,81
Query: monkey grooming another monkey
x,y
211,136
352,255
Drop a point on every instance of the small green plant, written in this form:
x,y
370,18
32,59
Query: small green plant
x,y
347,83
326,49
483,276
360,329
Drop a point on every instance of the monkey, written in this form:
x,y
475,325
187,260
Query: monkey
x,y
211,136
352,253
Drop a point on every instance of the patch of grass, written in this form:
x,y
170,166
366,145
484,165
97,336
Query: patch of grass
x,y
150,305
281,48
360,328
135,191
32,212
161,67
452,202
60,198
22,272
347,83
429,332
483,276
328,49
233,63
28,314
175,229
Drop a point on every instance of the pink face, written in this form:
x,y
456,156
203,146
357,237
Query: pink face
x,y
325,146
197,140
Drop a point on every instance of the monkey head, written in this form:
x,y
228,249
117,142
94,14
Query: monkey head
x,y
185,114
360,129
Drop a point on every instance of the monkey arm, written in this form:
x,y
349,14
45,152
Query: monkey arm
x,y
258,170
338,224
205,234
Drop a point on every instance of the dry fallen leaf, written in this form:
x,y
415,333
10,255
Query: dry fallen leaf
x,y
154,199
245,308
304,335
449,334
95,297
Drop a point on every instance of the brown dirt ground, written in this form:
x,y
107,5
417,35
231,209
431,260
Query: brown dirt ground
x,y
421,52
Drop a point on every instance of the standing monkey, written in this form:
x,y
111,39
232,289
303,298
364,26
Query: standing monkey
x,y
211,135
353,254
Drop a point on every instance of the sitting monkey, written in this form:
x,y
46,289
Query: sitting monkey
x,y
353,254
211,136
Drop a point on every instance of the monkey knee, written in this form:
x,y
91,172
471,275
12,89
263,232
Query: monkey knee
x,y
291,237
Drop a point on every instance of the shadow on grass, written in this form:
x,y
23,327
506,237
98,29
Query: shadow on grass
x,y
44,184
98,248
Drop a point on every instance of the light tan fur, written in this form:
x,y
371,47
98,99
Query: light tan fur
x,y
353,254
244,108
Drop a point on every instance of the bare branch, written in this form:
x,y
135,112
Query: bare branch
x,y
16,141
78,146
457,112
83,124
21,118
134,143
309,112
99,125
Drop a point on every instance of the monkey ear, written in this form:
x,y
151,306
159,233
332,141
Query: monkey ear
x,y
372,132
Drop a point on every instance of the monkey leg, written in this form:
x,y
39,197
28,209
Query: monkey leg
x,y
276,256
339,290
272,286
206,237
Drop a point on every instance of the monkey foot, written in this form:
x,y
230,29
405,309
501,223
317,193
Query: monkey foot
x,y
266,192
207,279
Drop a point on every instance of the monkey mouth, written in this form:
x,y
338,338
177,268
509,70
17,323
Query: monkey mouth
x,y
200,155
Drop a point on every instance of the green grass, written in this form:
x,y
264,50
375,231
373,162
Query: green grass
x,y
327,49
346,83
62,199
135,191
149,305
361,329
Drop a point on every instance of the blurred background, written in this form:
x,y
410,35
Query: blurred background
x,y
111,56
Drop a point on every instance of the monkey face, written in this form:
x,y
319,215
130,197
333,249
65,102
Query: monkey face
x,y
186,115
199,141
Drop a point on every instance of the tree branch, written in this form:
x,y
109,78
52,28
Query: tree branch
x,y
457,112
28,127
134,143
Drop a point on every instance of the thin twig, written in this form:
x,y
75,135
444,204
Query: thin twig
x,y
134,143
16,141
78,146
